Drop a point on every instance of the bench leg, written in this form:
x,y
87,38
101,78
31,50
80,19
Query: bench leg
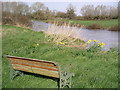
x,y
61,83
69,82
11,73
19,73
65,80
14,73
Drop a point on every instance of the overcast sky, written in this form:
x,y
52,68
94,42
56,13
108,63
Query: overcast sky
x,y
61,5
63,0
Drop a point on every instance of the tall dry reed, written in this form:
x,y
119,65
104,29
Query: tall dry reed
x,y
63,33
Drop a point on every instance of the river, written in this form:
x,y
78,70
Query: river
x,y
110,38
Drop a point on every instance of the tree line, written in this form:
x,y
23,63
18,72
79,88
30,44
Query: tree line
x,y
39,11
16,13
91,12
99,12
35,11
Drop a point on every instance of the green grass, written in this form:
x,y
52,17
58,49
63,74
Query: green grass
x,y
105,23
92,70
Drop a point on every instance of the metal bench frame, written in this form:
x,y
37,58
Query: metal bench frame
x,y
64,77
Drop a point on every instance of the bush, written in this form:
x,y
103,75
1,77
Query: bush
x,y
7,20
115,28
79,18
95,26
61,15
16,19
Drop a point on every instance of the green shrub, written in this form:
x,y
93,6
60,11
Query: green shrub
x,y
94,48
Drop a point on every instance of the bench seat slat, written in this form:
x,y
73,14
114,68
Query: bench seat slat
x,y
32,62
29,59
36,70
48,68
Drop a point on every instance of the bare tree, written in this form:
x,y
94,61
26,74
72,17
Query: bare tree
x,y
70,12
15,7
37,6
14,13
99,12
88,11
113,12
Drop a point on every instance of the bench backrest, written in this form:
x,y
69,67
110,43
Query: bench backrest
x,y
47,68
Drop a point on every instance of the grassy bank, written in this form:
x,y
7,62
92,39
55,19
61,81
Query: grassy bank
x,y
92,70
106,24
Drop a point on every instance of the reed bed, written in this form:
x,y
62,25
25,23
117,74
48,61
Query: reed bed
x,y
63,33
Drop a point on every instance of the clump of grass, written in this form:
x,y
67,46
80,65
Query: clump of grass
x,y
60,23
95,46
95,26
63,33
115,28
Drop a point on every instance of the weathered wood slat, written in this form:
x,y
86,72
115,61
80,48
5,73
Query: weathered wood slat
x,y
28,59
42,67
31,62
48,68
36,70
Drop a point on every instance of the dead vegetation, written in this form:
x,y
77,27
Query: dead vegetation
x,y
16,19
64,33
95,26
115,28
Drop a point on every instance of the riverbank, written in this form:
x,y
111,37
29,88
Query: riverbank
x,y
92,69
89,24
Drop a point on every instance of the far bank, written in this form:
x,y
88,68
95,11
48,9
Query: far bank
x,y
111,24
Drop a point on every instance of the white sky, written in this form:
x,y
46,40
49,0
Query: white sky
x,y
61,0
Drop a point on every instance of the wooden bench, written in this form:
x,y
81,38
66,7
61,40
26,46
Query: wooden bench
x,y
42,67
